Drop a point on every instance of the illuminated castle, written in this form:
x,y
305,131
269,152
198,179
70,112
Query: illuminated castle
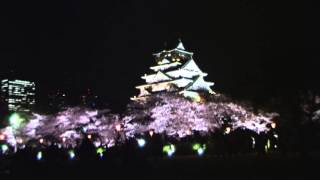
x,y
176,71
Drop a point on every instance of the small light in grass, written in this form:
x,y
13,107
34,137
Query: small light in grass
x,y
39,156
4,148
199,148
200,151
253,142
268,144
72,155
100,151
141,142
169,149
196,146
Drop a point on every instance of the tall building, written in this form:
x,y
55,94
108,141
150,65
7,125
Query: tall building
x,y
18,95
175,71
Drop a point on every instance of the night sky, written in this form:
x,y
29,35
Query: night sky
x,y
248,48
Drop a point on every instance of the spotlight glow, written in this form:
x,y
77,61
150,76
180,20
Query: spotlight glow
x,y
196,146
39,156
253,142
2,137
141,142
199,148
227,130
89,136
200,151
4,148
268,144
72,155
169,149
151,132
15,120
100,151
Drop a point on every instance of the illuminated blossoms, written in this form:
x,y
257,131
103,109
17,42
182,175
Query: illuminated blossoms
x,y
176,102
179,117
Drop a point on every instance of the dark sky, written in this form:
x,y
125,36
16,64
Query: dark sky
x,y
248,48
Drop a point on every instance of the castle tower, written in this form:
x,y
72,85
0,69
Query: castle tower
x,y
176,71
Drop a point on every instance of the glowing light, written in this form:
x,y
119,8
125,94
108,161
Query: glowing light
x,y
273,125
2,137
253,142
266,148
97,143
41,141
19,141
188,132
228,130
268,144
100,151
72,155
4,148
141,142
276,136
15,120
118,127
200,149
151,132
196,146
169,149
89,136
64,139
39,155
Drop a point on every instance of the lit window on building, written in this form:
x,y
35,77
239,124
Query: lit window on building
x,y
18,94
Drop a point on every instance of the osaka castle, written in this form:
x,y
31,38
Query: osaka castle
x,y
175,71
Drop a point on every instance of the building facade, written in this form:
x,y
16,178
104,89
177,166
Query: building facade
x,y
18,95
175,71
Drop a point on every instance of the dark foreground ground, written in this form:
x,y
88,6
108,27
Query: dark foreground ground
x,y
236,166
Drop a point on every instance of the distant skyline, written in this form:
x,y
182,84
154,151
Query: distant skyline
x,y
248,48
